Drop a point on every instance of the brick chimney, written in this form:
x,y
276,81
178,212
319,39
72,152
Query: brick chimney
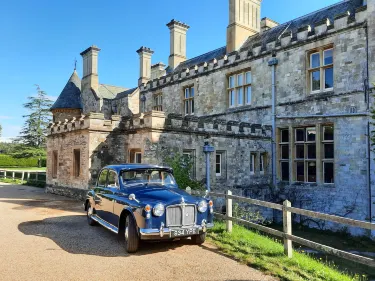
x,y
244,21
145,55
90,77
178,42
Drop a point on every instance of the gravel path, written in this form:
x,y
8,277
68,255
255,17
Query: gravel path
x,y
46,237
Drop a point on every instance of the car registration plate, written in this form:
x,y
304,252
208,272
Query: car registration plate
x,y
184,232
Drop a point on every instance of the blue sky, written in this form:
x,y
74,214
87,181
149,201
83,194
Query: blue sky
x,y
41,39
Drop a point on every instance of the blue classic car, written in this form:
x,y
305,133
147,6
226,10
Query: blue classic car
x,y
143,202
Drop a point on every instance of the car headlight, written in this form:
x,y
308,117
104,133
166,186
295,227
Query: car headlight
x,y
202,206
158,210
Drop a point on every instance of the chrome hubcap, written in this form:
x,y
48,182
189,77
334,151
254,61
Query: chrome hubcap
x,y
126,233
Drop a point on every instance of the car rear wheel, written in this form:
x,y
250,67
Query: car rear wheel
x,y
199,239
131,238
90,212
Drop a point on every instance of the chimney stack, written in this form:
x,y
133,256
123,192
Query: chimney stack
x,y
178,42
90,77
244,21
266,24
145,65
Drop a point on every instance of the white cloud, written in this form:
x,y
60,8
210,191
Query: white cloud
x,y
5,117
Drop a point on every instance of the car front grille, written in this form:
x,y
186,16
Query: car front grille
x,y
181,215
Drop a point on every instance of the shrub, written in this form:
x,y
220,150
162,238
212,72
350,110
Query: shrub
x,y
9,161
182,166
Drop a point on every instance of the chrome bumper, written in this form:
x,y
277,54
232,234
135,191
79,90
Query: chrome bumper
x,y
164,233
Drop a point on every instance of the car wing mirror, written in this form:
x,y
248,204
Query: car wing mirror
x,y
132,197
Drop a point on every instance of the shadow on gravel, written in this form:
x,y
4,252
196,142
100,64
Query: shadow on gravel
x,y
73,235
63,205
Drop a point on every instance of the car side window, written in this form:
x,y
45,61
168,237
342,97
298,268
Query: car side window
x,y
103,178
112,179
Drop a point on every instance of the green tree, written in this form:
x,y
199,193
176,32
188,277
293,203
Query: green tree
x,y
1,130
34,131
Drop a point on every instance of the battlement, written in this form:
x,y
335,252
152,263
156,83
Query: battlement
x,y
92,121
192,124
310,31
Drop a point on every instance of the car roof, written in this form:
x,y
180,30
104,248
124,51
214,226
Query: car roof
x,y
121,167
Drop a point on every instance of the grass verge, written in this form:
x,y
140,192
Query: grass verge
x,y
267,254
29,183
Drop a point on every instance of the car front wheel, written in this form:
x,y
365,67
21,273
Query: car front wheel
x,y
131,237
199,239
90,212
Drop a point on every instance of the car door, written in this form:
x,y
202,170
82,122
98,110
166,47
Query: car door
x,y
109,197
99,189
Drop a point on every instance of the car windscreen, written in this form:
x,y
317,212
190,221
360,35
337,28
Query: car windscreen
x,y
148,176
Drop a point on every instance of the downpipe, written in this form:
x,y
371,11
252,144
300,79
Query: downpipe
x,y
273,63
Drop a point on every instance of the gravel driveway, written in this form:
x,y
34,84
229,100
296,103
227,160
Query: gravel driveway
x,y
46,237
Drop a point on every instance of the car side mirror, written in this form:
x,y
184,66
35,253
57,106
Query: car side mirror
x,y
132,197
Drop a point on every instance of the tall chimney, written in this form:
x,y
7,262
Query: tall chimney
x,y
90,77
244,21
144,65
178,42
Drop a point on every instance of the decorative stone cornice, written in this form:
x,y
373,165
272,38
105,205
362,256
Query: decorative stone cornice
x,y
92,48
145,50
174,23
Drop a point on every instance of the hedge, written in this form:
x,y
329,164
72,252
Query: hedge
x,y
9,161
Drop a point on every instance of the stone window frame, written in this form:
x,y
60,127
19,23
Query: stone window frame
x,y
223,164
77,161
157,101
132,154
292,160
253,161
233,89
263,163
192,154
307,160
321,68
188,99
328,160
55,161
218,164
284,153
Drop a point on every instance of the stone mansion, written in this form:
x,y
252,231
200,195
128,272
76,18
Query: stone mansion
x,y
286,106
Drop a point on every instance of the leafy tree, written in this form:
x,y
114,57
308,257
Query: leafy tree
x,y
34,132
1,130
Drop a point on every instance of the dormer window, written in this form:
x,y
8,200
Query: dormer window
x,y
239,89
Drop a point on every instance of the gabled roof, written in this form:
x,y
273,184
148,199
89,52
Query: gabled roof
x,y
70,97
125,93
109,91
311,19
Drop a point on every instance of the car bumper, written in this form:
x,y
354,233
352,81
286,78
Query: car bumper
x,y
165,233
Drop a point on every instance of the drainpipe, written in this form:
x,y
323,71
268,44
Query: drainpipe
x,y
368,139
272,63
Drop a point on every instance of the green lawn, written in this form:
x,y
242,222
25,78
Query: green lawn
x,y
43,169
267,255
